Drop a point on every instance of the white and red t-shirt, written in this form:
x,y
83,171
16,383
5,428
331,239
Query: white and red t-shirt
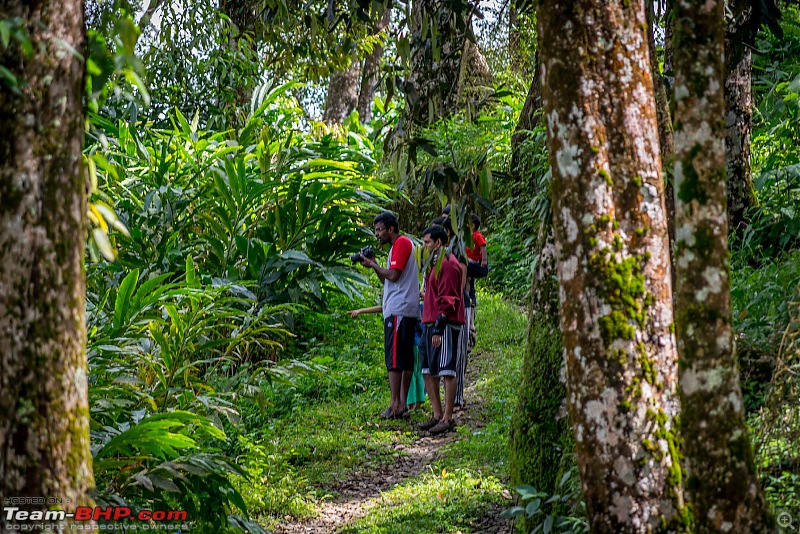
x,y
402,297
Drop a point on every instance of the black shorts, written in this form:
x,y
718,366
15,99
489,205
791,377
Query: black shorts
x,y
398,336
475,270
440,361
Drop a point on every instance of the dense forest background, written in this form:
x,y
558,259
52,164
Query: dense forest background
x,y
233,156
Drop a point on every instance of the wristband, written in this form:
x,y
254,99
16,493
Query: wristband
x,y
438,327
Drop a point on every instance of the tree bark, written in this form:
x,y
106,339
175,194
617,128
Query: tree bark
x,y
539,438
516,60
722,481
669,56
44,413
739,125
527,118
475,78
342,95
613,263
665,135
540,444
369,74
437,44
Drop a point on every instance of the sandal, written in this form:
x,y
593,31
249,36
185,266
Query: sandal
x,y
441,427
405,414
430,423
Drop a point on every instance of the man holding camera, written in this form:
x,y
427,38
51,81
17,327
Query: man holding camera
x,y
400,308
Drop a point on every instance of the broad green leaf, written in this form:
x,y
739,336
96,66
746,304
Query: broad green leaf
x,y
121,305
191,275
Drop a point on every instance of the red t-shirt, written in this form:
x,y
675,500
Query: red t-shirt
x,y
443,293
401,252
478,241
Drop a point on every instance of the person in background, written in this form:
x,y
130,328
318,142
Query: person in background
x,y
478,267
400,309
443,317
416,388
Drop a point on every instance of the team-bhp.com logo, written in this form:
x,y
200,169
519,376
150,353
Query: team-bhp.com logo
x,y
16,517
88,513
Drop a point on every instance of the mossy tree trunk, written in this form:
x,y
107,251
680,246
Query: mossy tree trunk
x,y
539,438
613,262
669,56
516,59
369,73
437,37
44,413
540,444
739,125
448,71
722,482
528,118
342,97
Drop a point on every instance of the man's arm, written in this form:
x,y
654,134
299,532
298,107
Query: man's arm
x,y
374,309
484,256
393,275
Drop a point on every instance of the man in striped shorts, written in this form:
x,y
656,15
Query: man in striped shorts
x,y
400,309
443,315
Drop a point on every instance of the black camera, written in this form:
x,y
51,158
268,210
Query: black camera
x,y
366,252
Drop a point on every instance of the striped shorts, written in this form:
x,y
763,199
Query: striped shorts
x,y
440,361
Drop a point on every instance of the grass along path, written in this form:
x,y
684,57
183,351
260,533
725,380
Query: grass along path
x,y
332,465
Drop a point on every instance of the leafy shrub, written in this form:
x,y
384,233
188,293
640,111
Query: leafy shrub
x,y
760,299
775,223
229,241
525,205
563,512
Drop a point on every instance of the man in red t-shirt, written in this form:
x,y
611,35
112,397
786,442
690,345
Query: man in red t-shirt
x,y
478,266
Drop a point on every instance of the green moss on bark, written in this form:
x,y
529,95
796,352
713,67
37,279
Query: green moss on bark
x,y
690,188
540,443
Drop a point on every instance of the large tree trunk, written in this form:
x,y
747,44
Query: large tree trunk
x,y
739,124
369,74
342,95
540,443
447,70
516,59
475,78
527,119
437,44
539,438
613,263
722,481
44,413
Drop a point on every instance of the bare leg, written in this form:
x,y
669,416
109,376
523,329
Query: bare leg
x,y
404,385
449,396
395,383
432,388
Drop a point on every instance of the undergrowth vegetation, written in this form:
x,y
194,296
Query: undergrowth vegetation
x,y
319,430
232,237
